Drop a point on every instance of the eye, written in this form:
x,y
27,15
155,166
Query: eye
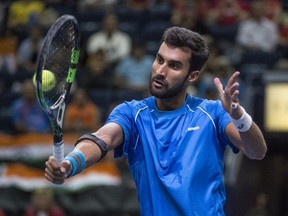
x,y
159,59
175,65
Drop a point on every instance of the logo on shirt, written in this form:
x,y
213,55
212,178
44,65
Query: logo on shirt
x,y
193,128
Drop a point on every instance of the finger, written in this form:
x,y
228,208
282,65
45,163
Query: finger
x,y
52,178
218,85
233,79
234,87
54,173
54,181
53,162
51,168
48,177
66,167
235,97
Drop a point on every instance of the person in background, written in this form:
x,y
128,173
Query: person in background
x,y
256,42
132,72
43,204
8,58
174,142
115,43
23,14
257,33
222,68
27,115
2,213
96,73
28,50
81,114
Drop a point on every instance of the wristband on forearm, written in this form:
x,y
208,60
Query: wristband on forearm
x,y
244,123
77,161
97,141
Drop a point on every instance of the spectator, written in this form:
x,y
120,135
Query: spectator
x,y
258,33
96,73
221,68
43,203
27,115
283,35
115,43
257,40
138,5
96,4
28,50
223,19
228,12
2,213
185,14
24,13
273,9
133,71
82,114
8,61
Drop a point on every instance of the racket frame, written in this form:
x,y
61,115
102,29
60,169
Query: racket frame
x,y
56,112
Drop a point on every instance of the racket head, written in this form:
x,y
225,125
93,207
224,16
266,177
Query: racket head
x,y
59,55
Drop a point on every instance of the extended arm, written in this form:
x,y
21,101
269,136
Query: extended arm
x,y
248,137
110,133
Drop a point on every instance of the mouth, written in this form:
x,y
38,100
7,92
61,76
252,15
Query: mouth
x,y
158,83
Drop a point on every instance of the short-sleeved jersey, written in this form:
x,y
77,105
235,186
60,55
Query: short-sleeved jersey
x,y
175,157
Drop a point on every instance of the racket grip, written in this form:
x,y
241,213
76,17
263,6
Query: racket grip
x,y
58,151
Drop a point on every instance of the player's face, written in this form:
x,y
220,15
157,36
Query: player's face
x,y
170,72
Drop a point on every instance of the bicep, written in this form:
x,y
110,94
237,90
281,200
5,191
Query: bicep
x,y
112,134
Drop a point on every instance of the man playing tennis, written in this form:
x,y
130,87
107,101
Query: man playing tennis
x,y
174,142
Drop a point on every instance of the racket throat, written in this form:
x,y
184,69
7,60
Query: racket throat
x,y
60,114
57,138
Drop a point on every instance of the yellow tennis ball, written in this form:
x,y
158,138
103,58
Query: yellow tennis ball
x,y
48,80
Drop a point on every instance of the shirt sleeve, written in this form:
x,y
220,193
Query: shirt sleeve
x,y
122,115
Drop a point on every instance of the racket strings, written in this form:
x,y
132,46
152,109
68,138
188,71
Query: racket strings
x,y
58,62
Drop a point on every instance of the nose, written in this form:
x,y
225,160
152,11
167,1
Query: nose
x,y
161,69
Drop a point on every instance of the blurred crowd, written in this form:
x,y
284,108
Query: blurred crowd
x,y
119,39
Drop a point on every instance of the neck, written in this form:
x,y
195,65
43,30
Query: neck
x,y
169,104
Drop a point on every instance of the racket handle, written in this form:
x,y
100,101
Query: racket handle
x,y
58,151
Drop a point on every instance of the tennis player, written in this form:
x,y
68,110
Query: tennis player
x,y
174,142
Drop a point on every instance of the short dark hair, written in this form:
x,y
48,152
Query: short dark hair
x,y
183,37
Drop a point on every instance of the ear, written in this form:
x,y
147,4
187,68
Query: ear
x,y
193,76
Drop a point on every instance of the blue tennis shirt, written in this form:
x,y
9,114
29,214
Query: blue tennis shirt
x,y
175,157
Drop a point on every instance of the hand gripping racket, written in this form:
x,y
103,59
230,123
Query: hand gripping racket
x,y
55,73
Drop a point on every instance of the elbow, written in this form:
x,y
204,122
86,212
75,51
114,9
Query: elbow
x,y
258,155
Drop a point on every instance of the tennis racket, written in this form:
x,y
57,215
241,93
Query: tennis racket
x,y
55,72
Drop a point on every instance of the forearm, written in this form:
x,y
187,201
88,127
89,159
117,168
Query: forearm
x,y
93,147
254,146
90,150
246,135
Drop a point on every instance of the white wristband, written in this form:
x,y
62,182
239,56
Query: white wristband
x,y
244,123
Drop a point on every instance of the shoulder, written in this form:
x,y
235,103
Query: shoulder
x,y
203,103
135,105
97,35
210,106
121,34
126,112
